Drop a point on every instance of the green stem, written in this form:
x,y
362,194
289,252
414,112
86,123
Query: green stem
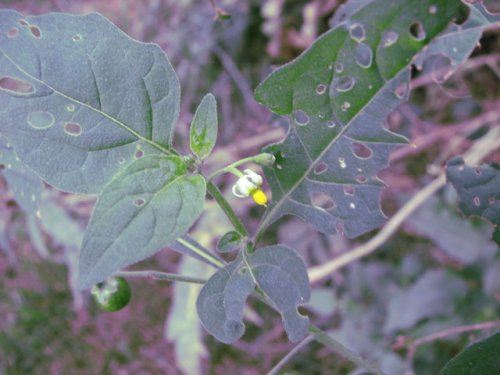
x,y
202,253
321,337
232,167
157,275
228,210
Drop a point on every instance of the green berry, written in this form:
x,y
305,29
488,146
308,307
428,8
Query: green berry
x,y
113,294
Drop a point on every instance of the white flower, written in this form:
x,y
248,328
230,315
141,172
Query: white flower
x,y
250,184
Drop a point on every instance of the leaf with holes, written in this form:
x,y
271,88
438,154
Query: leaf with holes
x,y
478,189
280,274
479,358
80,100
450,50
22,181
141,210
203,132
338,95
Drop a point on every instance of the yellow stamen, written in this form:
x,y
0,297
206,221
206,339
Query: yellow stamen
x,y
259,197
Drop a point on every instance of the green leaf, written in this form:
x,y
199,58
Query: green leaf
x,y
143,209
481,358
338,95
24,183
203,132
80,100
230,241
183,326
477,187
280,274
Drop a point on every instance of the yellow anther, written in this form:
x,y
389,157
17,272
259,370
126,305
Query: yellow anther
x,y
259,197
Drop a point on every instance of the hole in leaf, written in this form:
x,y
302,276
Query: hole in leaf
x,y
16,86
121,160
320,168
352,206
476,201
139,202
139,154
72,128
35,31
389,38
320,89
40,119
357,32
77,38
344,84
339,67
361,178
348,190
361,151
417,31
301,118
401,90
478,171
345,106
441,69
331,124
23,22
322,200
364,55
12,33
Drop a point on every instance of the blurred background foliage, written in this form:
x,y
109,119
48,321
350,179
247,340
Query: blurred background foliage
x,y
440,271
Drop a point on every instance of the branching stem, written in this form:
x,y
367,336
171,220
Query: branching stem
x,y
164,276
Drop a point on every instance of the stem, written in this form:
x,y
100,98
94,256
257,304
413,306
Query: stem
x,y
231,167
157,275
202,253
228,210
301,345
321,337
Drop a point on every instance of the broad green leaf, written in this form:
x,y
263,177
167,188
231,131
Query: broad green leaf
x,y
478,189
280,274
141,210
22,181
183,326
80,100
203,132
338,94
432,294
230,241
481,358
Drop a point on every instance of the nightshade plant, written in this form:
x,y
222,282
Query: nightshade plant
x,y
88,110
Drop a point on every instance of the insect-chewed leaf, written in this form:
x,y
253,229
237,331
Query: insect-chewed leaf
x,y
338,95
221,301
479,358
141,210
280,274
203,132
21,180
478,189
79,99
